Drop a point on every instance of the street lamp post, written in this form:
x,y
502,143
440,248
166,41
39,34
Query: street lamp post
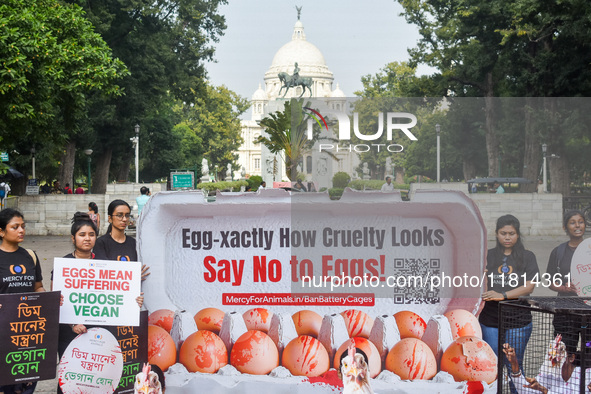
x,y
438,130
544,176
88,152
136,144
33,161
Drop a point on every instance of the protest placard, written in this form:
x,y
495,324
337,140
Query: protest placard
x,y
28,346
133,342
98,292
91,364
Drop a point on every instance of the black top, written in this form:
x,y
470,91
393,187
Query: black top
x,y
557,269
106,248
495,266
18,272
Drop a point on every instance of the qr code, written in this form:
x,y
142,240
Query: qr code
x,y
416,274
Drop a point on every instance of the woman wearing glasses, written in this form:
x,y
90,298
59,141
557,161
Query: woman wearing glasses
x,y
115,245
510,270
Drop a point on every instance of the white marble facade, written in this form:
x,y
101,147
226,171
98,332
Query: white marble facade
x,y
255,158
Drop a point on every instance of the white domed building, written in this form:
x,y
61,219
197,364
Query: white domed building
x,y
255,158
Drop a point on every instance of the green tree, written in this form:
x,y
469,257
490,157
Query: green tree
x,y
165,45
286,134
397,86
51,59
462,40
211,128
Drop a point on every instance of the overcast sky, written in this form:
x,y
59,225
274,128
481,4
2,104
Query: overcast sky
x,y
356,38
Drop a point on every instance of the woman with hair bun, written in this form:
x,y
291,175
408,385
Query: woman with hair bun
x,y
84,233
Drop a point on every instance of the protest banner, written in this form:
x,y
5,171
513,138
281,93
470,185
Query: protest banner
x,y
98,292
92,364
133,342
28,346
580,270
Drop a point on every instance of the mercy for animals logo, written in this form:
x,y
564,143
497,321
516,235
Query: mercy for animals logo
x,y
402,121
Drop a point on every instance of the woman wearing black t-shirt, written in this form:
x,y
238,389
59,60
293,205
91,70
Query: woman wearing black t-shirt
x,y
506,266
559,267
84,233
115,244
20,271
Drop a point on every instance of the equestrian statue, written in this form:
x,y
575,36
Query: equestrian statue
x,y
291,81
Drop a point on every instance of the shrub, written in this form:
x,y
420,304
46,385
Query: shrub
x,y
340,180
233,186
372,184
335,193
254,182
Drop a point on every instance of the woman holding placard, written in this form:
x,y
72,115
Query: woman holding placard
x,y
559,272
115,244
15,262
507,264
84,235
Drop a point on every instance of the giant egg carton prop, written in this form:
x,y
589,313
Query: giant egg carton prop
x,y
252,250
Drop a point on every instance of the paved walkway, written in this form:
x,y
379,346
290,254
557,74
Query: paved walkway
x,y
48,247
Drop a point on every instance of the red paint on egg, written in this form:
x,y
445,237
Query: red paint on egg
x,y
411,359
254,352
209,319
463,324
470,359
161,347
258,319
410,324
203,351
359,324
305,356
162,318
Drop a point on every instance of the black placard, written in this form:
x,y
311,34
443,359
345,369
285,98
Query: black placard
x,y
134,348
28,346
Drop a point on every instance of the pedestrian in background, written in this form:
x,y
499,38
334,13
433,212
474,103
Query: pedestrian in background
x,y
94,215
142,199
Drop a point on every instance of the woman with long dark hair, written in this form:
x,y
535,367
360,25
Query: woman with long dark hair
x,y
15,262
95,216
115,244
558,268
84,236
507,264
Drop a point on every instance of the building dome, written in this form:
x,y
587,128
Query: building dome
x,y
337,93
310,62
259,94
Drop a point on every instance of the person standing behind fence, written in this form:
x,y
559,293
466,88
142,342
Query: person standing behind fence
x,y
559,270
508,259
